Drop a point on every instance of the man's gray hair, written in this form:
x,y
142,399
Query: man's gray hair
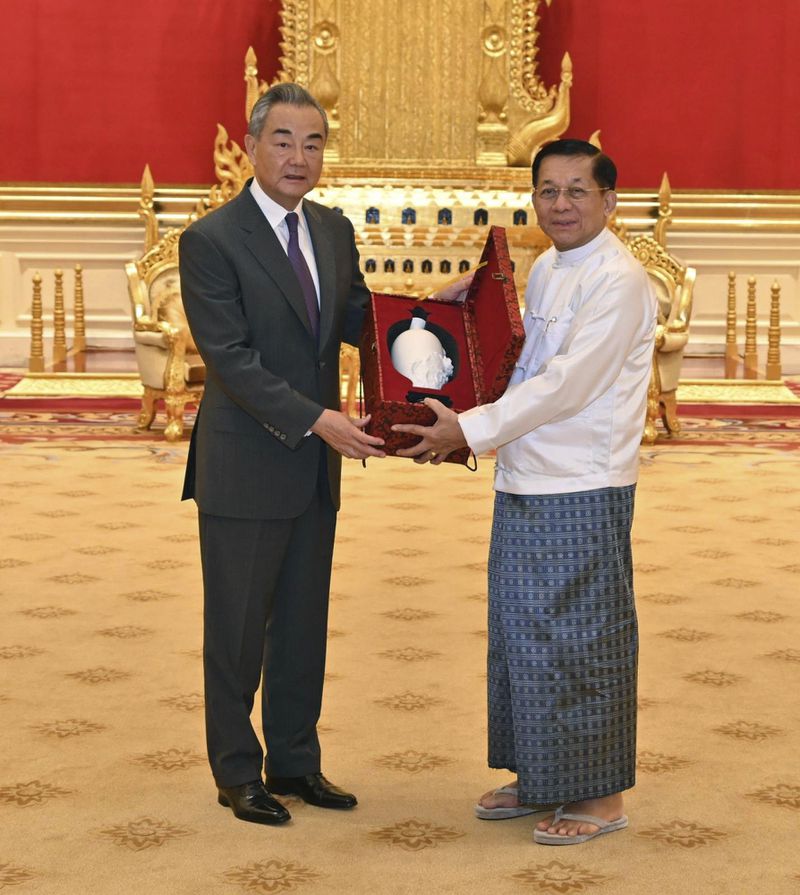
x,y
283,93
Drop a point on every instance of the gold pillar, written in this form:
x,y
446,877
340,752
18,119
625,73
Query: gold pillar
x,y
731,349
59,321
774,337
79,333
750,349
36,358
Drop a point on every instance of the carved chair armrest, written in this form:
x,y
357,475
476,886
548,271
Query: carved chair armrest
x,y
679,322
673,342
174,334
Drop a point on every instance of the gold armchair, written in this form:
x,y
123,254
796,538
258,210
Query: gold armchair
x,y
674,285
169,366
168,362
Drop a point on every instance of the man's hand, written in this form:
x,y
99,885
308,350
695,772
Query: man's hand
x,y
438,440
344,435
455,290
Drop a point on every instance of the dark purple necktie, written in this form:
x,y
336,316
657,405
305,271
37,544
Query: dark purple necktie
x,y
303,273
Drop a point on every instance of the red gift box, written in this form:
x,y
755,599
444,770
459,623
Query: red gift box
x,y
483,336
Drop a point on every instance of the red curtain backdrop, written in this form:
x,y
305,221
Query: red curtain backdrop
x,y
90,90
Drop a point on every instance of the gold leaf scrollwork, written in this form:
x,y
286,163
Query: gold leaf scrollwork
x,y
232,167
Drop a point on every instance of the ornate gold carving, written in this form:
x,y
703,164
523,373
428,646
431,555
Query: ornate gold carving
x,y
147,209
774,333
254,88
664,211
232,167
163,344
295,34
526,87
674,286
653,392
384,117
493,88
545,111
651,254
324,82
532,134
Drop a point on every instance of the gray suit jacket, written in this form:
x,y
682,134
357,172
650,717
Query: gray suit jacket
x,y
267,380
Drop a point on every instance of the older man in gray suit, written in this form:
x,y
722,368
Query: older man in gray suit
x,y
272,286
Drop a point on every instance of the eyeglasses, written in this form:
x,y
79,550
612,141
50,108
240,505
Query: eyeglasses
x,y
575,193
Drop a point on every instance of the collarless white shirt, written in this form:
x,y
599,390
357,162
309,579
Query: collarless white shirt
x,y
276,218
572,416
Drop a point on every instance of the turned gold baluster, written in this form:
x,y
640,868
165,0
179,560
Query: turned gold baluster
x,y
79,334
774,337
750,349
731,349
36,358
59,321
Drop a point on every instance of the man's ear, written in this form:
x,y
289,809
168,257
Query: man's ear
x,y
250,146
609,202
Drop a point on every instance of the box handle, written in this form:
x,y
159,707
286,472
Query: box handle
x,y
418,397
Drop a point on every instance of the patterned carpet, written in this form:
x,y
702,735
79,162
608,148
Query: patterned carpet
x,y
103,782
86,408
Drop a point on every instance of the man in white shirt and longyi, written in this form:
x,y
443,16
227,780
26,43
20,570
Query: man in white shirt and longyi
x,y
562,623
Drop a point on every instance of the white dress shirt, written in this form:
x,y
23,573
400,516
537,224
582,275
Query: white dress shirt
x,y
573,414
276,216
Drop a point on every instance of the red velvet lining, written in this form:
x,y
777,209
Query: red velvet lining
x,y
390,309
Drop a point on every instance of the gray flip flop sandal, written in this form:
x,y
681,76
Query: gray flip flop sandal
x,y
604,826
507,813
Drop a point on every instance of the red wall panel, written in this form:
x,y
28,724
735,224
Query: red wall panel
x,y
708,90
90,90
93,89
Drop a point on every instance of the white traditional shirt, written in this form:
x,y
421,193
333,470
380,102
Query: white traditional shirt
x,y
573,414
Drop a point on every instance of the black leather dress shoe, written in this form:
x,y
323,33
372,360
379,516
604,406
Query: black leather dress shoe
x,y
253,803
314,789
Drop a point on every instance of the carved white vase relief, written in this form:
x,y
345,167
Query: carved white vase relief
x,y
419,354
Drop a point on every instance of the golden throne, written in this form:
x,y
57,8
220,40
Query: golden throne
x,y
169,366
674,285
434,174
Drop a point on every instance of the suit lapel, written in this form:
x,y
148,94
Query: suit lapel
x,y
261,241
325,258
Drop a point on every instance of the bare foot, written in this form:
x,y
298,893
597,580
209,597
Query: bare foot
x,y
494,799
608,808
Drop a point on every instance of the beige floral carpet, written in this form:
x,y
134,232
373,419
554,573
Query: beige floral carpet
x,y
103,782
